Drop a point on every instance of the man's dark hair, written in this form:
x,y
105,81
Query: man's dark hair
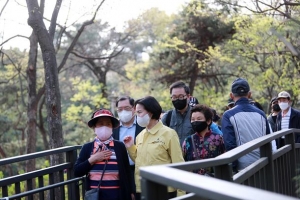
x,y
180,84
151,105
131,100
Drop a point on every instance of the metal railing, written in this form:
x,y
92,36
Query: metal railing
x,y
270,177
69,183
273,172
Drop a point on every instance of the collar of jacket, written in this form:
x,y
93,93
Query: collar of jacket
x,y
242,100
155,128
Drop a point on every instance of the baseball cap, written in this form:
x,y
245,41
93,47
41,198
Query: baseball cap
x,y
240,86
284,94
103,113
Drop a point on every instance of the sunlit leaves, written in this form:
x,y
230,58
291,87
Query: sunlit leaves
x,y
87,98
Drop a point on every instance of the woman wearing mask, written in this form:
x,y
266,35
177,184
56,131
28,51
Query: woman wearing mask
x,y
104,154
203,143
275,109
156,144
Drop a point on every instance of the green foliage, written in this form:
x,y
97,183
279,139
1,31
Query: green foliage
x,y
86,99
182,55
13,100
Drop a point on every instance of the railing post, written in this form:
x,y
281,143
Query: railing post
x,y
152,190
224,172
266,151
73,188
290,139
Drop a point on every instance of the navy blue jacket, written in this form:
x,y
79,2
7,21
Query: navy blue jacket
x,y
241,124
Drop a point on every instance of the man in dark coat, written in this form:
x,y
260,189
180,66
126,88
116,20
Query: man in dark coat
x,y
128,126
287,118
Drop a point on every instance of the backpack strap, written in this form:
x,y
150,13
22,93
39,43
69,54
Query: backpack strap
x,y
168,118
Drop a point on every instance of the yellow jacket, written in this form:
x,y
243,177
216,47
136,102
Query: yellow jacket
x,y
157,146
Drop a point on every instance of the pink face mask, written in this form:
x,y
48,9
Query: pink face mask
x,y
103,132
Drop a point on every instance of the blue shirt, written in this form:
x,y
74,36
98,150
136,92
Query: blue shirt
x,y
125,131
214,128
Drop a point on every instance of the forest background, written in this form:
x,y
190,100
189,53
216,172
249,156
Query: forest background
x,y
50,89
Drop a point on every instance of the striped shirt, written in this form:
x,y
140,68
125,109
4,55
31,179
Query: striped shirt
x,y
110,182
285,120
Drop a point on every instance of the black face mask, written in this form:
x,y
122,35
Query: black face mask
x,y
179,104
276,108
199,126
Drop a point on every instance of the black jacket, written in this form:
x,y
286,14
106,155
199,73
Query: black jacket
x,y
294,122
82,167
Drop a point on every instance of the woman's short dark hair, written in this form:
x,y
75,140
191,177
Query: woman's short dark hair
x,y
203,109
151,105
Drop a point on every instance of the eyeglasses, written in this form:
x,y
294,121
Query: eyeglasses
x,y
127,108
180,97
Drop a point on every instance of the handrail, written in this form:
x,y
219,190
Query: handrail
x,y
29,175
20,158
70,154
265,173
204,186
234,154
48,187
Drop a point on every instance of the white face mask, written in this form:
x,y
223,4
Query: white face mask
x,y
125,116
103,132
283,105
143,121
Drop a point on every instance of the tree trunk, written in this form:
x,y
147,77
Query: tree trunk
x,y
193,79
52,92
32,104
41,125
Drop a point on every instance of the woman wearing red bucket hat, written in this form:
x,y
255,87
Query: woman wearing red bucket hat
x,y
105,159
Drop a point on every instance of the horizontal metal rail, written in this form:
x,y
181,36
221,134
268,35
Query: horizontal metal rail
x,y
70,153
250,170
45,188
234,154
34,174
20,158
203,186
259,174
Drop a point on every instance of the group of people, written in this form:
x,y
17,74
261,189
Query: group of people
x,y
140,137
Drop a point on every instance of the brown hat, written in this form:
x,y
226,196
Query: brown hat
x,y
103,113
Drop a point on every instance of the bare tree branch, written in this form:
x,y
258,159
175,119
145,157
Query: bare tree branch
x,y
20,4
98,58
3,7
292,49
42,7
54,18
13,38
91,21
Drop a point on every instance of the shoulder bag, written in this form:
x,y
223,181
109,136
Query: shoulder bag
x,y
93,194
